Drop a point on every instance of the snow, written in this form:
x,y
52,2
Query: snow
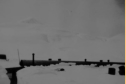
x,y
9,64
3,76
67,30
71,75
30,20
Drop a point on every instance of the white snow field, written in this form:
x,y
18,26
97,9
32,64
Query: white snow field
x,y
9,64
66,29
4,79
71,75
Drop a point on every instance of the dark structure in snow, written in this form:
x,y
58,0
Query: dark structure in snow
x,y
112,71
49,59
3,56
59,60
33,61
60,69
122,70
85,60
108,61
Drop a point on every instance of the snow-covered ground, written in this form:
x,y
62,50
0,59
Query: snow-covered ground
x,y
66,29
57,43
4,79
71,75
9,64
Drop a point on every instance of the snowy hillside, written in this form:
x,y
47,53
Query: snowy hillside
x,y
30,20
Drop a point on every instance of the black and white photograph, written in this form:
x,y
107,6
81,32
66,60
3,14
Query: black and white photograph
x,y
62,41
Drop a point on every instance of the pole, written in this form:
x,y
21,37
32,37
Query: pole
x,y
18,55
33,59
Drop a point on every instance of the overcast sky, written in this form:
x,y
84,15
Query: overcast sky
x,y
98,17
93,17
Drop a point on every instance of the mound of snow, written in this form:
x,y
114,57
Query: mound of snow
x,y
91,37
117,38
4,79
9,64
71,75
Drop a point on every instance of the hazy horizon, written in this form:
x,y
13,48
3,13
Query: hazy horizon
x,y
63,28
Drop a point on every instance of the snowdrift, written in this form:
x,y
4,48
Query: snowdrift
x,y
70,75
4,79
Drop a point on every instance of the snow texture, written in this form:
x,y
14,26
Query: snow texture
x,y
4,79
71,75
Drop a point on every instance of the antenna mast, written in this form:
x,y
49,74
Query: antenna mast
x,y
18,55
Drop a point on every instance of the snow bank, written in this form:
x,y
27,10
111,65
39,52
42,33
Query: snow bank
x,y
4,79
9,64
71,75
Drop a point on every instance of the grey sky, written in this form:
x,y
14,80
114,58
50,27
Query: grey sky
x,y
98,17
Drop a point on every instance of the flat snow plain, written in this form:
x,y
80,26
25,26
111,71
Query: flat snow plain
x,y
71,75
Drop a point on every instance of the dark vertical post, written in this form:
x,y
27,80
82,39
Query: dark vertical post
x,y
18,55
108,61
33,59
101,61
85,60
49,59
59,60
21,63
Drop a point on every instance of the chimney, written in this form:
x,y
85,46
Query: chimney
x,y
85,60
108,61
33,59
